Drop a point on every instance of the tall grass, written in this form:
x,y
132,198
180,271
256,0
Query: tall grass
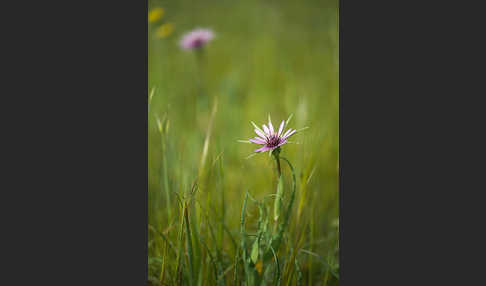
x,y
211,210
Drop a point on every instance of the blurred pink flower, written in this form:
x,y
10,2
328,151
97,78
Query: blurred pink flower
x,y
196,39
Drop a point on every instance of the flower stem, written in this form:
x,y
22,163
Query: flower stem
x,y
276,155
279,194
276,239
279,172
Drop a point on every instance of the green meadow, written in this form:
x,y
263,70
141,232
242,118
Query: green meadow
x,y
211,199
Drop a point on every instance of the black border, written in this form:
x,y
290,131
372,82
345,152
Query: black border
x,y
77,165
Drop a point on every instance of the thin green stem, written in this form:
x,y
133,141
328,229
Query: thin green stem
x,y
276,156
189,245
277,238
166,177
249,277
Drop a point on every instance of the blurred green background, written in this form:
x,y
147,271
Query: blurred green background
x,y
268,57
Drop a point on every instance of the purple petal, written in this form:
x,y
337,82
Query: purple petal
x,y
261,142
281,143
270,126
290,134
263,149
260,133
286,132
254,125
281,128
267,131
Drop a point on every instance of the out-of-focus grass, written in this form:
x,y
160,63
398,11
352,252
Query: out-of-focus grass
x,y
268,57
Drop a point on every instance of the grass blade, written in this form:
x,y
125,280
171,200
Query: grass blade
x,y
190,253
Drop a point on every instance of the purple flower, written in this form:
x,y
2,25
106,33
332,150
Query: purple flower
x,y
270,138
196,39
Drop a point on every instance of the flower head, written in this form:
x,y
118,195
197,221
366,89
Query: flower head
x,y
270,138
155,15
164,30
196,39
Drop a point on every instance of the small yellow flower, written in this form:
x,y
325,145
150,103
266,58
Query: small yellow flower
x,y
259,267
155,15
164,30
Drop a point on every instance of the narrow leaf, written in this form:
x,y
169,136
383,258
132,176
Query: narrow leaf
x,y
254,252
